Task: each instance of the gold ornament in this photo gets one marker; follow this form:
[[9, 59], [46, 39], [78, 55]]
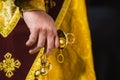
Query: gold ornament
[[60, 57], [64, 40], [44, 68], [9, 16], [8, 65]]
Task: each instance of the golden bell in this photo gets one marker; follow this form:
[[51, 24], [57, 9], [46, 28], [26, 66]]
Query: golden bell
[[45, 67], [44, 71], [37, 73], [62, 43], [62, 39]]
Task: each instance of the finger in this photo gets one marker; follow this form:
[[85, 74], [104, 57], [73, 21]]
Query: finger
[[56, 38], [41, 42], [50, 42], [32, 38], [56, 41], [35, 50]]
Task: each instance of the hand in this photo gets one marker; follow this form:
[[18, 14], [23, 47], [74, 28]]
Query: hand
[[42, 31]]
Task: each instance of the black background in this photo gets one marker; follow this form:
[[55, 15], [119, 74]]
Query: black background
[[104, 22]]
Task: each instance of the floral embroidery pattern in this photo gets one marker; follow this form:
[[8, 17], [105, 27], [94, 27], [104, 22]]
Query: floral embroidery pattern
[[8, 65]]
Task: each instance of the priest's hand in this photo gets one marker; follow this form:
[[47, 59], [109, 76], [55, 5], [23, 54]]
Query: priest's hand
[[42, 31]]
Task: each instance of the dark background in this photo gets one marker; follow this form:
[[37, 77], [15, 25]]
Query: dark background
[[104, 22]]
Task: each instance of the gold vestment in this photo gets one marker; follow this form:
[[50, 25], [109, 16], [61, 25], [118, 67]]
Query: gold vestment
[[72, 18]]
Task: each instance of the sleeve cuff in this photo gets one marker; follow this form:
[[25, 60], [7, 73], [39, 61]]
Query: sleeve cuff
[[29, 5]]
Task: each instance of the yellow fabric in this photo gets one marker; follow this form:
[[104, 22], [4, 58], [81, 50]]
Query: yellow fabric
[[78, 63]]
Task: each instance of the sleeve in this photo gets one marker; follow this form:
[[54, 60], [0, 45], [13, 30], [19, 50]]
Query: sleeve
[[28, 5]]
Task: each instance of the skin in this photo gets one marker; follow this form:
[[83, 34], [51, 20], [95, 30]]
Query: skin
[[42, 31]]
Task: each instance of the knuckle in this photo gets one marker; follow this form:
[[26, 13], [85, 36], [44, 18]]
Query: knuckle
[[43, 31], [33, 28], [49, 29], [50, 32]]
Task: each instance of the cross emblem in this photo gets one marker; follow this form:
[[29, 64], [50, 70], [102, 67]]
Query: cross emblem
[[8, 65]]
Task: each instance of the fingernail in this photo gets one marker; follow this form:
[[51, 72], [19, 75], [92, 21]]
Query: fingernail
[[26, 43], [30, 51]]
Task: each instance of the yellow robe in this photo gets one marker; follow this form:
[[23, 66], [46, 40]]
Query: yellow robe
[[72, 18]]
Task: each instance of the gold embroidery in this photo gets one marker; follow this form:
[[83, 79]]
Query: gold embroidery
[[8, 65], [6, 30], [9, 16], [64, 39], [60, 57]]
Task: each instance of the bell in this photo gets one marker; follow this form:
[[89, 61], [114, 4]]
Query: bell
[[62, 43], [37, 73], [45, 67], [44, 71]]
